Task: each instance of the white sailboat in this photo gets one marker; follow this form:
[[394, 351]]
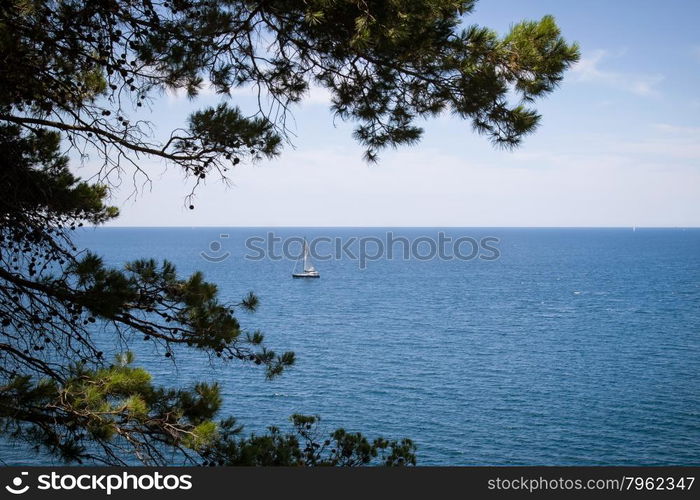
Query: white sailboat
[[309, 270]]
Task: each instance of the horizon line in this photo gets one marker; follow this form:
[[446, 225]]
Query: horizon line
[[383, 227]]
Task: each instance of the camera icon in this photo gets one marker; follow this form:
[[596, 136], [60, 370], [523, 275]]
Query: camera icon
[[16, 488], [215, 247]]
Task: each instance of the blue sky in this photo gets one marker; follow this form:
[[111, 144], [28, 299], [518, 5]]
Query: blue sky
[[619, 145]]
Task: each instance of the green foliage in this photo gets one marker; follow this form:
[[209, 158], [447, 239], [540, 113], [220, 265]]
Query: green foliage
[[75, 77], [305, 445], [37, 182], [386, 65], [114, 403], [226, 128], [202, 435], [119, 403]]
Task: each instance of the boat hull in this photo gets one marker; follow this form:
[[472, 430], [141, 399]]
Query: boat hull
[[303, 275]]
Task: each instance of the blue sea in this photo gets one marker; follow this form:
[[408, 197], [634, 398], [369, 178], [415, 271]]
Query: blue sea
[[563, 347]]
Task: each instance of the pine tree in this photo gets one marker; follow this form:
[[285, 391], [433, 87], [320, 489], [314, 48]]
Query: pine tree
[[78, 76]]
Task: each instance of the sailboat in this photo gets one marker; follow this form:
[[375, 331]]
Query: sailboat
[[309, 270]]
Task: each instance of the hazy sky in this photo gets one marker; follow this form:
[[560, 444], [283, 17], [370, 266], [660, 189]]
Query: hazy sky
[[619, 145]]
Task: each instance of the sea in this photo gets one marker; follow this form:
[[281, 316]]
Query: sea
[[485, 346]]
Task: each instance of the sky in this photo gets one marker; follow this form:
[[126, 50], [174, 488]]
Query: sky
[[619, 145]]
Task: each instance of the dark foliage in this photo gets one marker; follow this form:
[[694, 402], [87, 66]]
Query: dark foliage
[[77, 77]]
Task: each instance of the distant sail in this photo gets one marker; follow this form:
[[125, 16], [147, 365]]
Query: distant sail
[[309, 270]]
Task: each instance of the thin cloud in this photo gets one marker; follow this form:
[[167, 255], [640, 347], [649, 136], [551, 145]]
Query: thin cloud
[[317, 95], [589, 70], [678, 129]]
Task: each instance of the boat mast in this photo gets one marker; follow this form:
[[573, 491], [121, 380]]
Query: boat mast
[[306, 253]]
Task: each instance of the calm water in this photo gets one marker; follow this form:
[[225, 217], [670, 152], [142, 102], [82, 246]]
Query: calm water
[[576, 346]]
